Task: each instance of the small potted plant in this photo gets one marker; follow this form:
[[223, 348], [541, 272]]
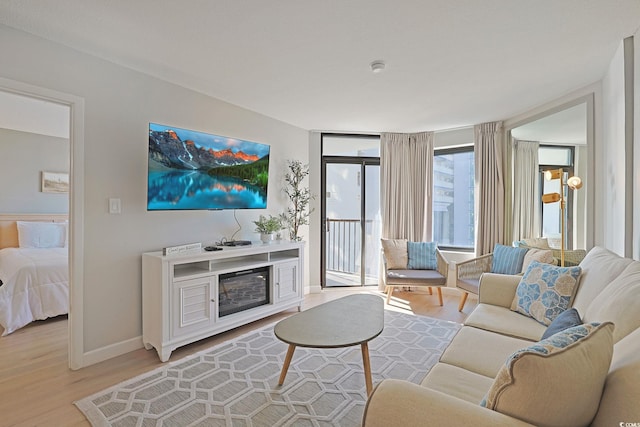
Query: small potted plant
[[267, 227]]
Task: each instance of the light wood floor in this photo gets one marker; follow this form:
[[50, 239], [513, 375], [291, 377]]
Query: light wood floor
[[38, 389]]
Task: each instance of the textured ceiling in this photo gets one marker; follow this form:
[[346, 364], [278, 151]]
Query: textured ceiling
[[450, 63]]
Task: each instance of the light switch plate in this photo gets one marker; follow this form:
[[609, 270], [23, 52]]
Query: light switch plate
[[115, 207]]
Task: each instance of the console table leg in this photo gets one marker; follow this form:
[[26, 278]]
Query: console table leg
[[287, 361], [164, 353], [367, 367]]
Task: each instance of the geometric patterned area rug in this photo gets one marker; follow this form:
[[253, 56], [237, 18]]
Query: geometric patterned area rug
[[235, 383]]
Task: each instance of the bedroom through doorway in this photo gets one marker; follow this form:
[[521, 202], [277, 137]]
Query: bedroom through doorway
[[36, 150]]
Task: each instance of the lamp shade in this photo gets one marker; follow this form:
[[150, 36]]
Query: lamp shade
[[553, 174], [550, 197], [574, 183]]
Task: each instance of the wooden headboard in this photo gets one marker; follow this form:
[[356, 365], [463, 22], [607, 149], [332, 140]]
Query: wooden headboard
[[9, 228]]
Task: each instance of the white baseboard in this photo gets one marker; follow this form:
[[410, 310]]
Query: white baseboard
[[312, 289], [104, 353], [111, 351]]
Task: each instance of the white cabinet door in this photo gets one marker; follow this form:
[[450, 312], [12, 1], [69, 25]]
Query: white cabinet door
[[193, 305], [286, 280]]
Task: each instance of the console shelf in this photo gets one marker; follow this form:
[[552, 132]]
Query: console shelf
[[180, 293]]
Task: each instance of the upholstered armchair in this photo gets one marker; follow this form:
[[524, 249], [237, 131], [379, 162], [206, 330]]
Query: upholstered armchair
[[401, 268]]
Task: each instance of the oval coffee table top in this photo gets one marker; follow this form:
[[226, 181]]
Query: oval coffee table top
[[344, 322]]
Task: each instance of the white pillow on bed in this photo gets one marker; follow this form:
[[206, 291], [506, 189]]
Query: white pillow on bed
[[41, 234]]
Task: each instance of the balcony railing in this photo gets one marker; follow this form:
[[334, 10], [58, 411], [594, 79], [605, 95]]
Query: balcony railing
[[343, 245]]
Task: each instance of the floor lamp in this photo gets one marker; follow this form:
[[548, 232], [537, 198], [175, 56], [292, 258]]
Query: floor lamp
[[574, 183]]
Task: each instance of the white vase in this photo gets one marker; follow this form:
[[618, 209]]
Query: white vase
[[266, 237]]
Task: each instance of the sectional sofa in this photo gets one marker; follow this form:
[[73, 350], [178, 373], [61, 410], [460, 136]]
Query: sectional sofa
[[498, 371]]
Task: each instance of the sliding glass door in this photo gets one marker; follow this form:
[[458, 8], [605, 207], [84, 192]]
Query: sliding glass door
[[351, 217]]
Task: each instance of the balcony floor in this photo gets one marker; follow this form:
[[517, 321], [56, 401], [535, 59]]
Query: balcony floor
[[339, 279]]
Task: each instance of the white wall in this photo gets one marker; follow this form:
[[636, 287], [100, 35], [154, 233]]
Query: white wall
[[636, 147], [119, 104], [315, 226], [23, 157], [453, 138], [612, 155]]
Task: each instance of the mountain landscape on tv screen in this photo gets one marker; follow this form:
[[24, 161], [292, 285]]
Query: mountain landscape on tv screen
[[166, 148], [194, 170]]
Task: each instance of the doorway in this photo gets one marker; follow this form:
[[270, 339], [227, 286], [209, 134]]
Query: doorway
[[75, 122], [351, 223]]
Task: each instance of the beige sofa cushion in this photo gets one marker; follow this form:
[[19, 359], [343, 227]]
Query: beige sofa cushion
[[619, 303], [481, 351], [566, 373], [415, 278], [404, 404], [457, 382], [619, 401], [599, 268], [395, 253], [504, 321]]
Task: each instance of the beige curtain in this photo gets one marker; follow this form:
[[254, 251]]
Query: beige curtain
[[526, 203], [490, 186], [406, 182]]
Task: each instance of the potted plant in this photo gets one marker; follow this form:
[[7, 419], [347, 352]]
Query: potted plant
[[298, 212], [267, 227]]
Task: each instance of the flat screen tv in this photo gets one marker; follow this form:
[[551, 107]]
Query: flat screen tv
[[191, 170]]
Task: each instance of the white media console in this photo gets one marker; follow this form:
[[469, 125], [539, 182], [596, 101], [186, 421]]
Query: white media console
[[189, 297]]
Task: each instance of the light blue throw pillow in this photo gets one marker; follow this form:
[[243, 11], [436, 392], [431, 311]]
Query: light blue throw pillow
[[545, 291], [507, 259], [422, 255], [567, 319]]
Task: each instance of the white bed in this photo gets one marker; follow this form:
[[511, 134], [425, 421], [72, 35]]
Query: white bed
[[35, 283]]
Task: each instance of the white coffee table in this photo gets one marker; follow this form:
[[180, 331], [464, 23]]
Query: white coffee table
[[345, 322]]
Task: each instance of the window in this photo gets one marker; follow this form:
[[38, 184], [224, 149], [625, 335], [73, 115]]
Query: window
[[351, 145], [453, 198]]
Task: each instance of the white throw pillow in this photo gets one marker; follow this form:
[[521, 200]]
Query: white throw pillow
[[538, 242], [395, 253], [540, 255], [33, 234]]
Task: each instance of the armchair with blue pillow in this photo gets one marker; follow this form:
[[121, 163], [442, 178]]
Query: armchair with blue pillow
[[413, 264], [503, 260]]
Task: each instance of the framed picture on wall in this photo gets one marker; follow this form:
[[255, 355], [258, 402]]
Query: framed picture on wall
[[55, 182]]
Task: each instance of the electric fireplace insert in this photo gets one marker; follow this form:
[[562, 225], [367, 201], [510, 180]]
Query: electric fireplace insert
[[243, 290]]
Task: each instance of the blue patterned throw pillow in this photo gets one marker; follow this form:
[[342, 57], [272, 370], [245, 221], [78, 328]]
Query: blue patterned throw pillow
[[507, 259], [567, 370], [422, 255], [545, 291]]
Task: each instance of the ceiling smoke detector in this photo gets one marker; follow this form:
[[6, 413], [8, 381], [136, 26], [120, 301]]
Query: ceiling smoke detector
[[378, 66]]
